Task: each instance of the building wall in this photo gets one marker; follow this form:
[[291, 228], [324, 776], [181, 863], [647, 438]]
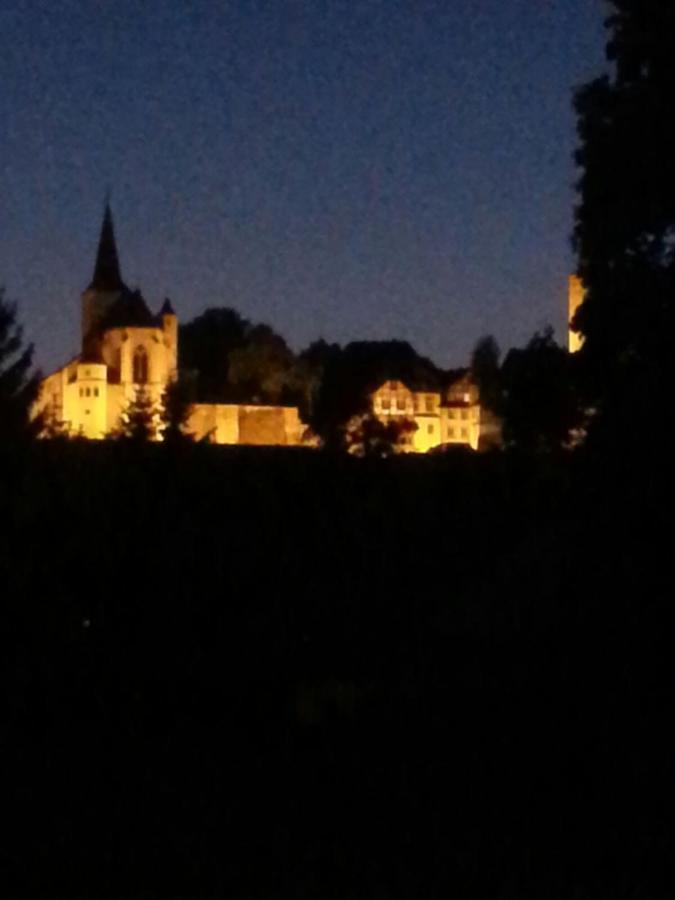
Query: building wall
[[85, 401], [574, 300], [453, 418], [224, 423]]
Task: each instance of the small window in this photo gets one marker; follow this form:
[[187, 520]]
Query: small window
[[81, 392], [451, 432], [87, 392], [464, 414], [386, 403], [430, 403], [451, 413], [95, 392], [430, 429], [465, 433], [140, 366]]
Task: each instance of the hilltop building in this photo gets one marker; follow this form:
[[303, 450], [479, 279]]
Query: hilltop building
[[125, 347], [447, 416]]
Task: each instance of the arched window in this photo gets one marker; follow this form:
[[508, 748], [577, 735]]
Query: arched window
[[140, 374]]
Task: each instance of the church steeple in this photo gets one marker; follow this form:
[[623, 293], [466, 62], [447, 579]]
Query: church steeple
[[107, 275]]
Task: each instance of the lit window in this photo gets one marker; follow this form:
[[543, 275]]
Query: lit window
[[140, 366], [430, 403], [451, 414]]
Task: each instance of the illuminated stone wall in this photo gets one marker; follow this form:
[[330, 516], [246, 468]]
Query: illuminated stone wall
[[224, 423], [575, 298]]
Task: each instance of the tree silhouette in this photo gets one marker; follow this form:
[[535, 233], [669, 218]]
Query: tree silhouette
[[175, 409], [19, 385], [368, 436], [139, 421], [625, 219], [485, 372], [350, 374], [539, 401]]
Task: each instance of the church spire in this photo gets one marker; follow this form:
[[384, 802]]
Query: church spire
[[107, 269]]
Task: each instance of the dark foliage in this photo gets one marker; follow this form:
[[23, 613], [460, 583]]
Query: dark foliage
[[19, 385], [368, 436], [485, 373], [235, 361], [291, 675], [350, 374], [539, 401], [625, 223], [175, 409]]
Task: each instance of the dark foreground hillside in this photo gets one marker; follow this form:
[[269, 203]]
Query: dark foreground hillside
[[275, 674]]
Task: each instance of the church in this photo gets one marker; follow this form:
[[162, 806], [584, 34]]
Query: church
[[126, 348]]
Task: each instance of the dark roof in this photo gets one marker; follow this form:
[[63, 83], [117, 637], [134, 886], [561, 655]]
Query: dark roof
[[129, 310], [107, 275], [167, 308]]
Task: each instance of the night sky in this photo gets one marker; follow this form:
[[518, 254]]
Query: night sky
[[337, 168]]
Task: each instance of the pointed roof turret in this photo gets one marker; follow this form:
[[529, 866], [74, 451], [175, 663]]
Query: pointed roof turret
[[107, 275]]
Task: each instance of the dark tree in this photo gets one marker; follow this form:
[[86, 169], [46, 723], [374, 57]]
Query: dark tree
[[175, 410], [205, 345], [261, 370], [485, 372], [367, 436], [539, 401], [236, 361], [19, 385], [139, 421], [625, 219], [351, 374]]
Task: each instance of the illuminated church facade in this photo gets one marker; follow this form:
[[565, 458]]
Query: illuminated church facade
[[127, 348]]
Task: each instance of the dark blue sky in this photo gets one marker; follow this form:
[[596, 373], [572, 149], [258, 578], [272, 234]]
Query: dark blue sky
[[337, 168]]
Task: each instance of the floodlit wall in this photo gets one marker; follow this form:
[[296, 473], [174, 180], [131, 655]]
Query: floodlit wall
[[224, 423], [85, 402], [450, 419], [575, 299], [461, 425], [119, 346]]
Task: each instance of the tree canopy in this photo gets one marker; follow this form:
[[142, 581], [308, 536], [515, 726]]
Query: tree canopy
[[19, 385], [625, 218]]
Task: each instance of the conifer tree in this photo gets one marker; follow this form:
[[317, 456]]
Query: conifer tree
[[139, 421], [19, 384]]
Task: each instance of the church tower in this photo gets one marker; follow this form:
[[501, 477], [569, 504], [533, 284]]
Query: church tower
[[106, 285]]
